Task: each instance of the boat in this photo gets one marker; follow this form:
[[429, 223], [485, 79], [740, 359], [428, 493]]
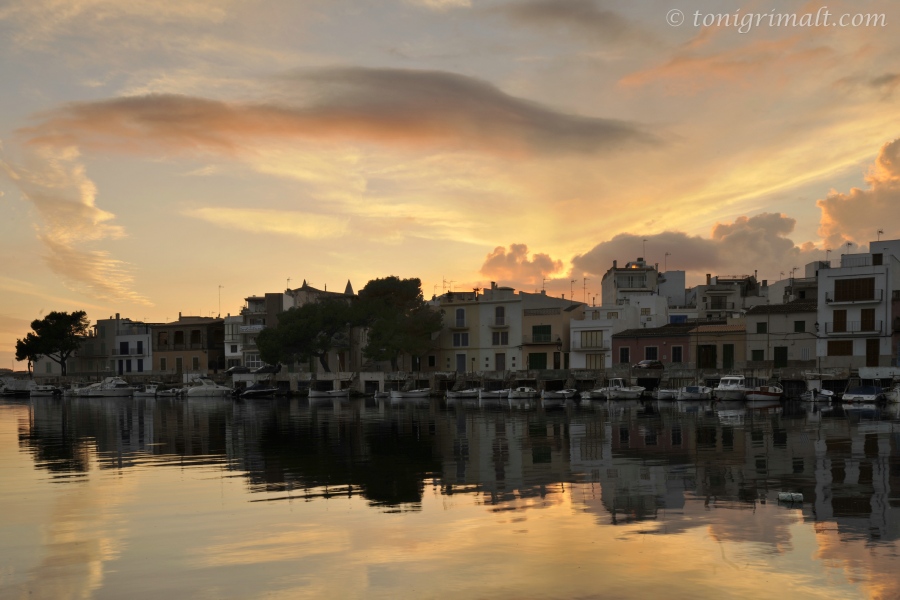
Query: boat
[[815, 395], [170, 393], [594, 394], [893, 395], [617, 390], [863, 393], [45, 390], [564, 394], [147, 390], [206, 387], [695, 392], [409, 394], [665, 394], [11, 386], [260, 389], [731, 387], [765, 392], [523, 392], [110, 387], [466, 393], [494, 394]]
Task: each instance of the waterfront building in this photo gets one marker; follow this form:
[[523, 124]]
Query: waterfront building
[[592, 333], [234, 353], [672, 344], [546, 325], [726, 297], [132, 350], [780, 336], [720, 347], [855, 303], [194, 345]]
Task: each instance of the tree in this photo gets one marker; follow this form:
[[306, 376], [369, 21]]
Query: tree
[[56, 336], [399, 320], [308, 331]]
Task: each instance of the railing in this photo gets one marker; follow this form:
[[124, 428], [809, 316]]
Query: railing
[[601, 346], [458, 324], [536, 312], [129, 352], [250, 328], [498, 322], [540, 338], [851, 327], [718, 305], [877, 295], [859, 260]]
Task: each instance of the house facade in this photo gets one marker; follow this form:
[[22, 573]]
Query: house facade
[[190, 345], [782, 335]]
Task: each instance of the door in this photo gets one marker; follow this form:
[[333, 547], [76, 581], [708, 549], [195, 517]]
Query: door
[[706, 357], [500, 361], [460, 363], [780, 354], [872, 346], [867, 319]]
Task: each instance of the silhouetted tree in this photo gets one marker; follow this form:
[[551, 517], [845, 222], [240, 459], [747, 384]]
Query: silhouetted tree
[[56, 336]]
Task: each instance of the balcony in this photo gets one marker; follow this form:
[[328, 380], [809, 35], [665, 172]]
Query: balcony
[[832, 298], [718, 306], [541, 338], [854, 328], [251, 328], [597, 346], [129, 352], [458, 324], [498, 322]]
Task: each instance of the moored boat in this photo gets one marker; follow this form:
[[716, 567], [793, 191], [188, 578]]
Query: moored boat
[[466, 393], [617, 390], [44, 391], [147, 390], [410, 394], [695, 392], [563, 394], [765, 392], [523, 392], [206, 387], [731, 387], [110, 387], [665, 394]]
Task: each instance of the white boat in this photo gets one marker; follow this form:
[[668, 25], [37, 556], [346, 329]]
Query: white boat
[[695, 392], [110, 387], [522, 392], [419, 393], [147, 390], [815, 395], [665, 394], [617, 390], [595, 394], [10, 386], [44, 391], [494, 394], [731, 387], [863, 393], [460, 394], [893, 395], [765, 392], [564, 394], [206, 387]]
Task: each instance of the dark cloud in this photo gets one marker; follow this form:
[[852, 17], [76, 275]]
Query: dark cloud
[[585, 18], [386, 106]]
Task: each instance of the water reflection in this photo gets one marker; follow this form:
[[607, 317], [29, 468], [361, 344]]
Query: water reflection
[[662, 468]]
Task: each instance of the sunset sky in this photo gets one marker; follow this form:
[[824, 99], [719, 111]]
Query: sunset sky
[[153, 152]]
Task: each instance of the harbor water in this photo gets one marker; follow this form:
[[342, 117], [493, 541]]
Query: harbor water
[[363, 498]]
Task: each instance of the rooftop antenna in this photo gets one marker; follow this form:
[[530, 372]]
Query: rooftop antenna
[[645, 249], [665, 261], [880, 231], [848, 247], [572, 289], [289, 283], [220, 298], [827, 250], [543, 282], [584, 290]]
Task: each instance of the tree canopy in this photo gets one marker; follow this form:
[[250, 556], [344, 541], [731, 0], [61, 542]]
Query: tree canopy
[[56, 336], [307, 331], [399, 320]]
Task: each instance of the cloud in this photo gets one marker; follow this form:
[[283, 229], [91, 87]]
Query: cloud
[[858, 214], [515, 266], [442, 4], [284, 222], [392, 107], [56, 184], [585, 18], [757, 243]]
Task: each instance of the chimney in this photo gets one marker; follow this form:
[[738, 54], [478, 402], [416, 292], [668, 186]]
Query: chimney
[[614, 264], [117, 316], [765, 282], [708, 279], [493, 285]]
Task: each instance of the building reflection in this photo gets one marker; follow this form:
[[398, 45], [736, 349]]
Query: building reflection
[[625, 462]]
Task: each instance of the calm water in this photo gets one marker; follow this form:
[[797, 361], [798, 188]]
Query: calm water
[[122, 498]]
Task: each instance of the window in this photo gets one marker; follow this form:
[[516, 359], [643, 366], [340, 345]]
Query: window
[[432, 360], [758, 355], [234, 348], [500, 338], [804, 353], [162, 338], [460, 340], [540, 333], [877, 259], [762, 327], [677, 354], [252, 361], [867, 319], [162, 364], [840, 321], [195, 336], [195, 363], [780, 356], [460, 317], [799, 326], [624, 355], [140, 346], [848, 290], [612, 315], [49, 367], [140, 365], [651, 353], [595, 361], [592, 339], [645, 312], [179, 364], [500, 316], [840, 348]]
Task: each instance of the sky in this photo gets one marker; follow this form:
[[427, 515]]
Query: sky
[[182, 155]]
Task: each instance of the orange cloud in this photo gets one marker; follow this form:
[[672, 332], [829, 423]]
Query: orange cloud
[[385, 106], [515, 266], [856, 215]]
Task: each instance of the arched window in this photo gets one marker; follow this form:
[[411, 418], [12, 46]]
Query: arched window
[[500, 315]]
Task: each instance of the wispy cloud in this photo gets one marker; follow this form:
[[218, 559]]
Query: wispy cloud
[[256, 220]]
